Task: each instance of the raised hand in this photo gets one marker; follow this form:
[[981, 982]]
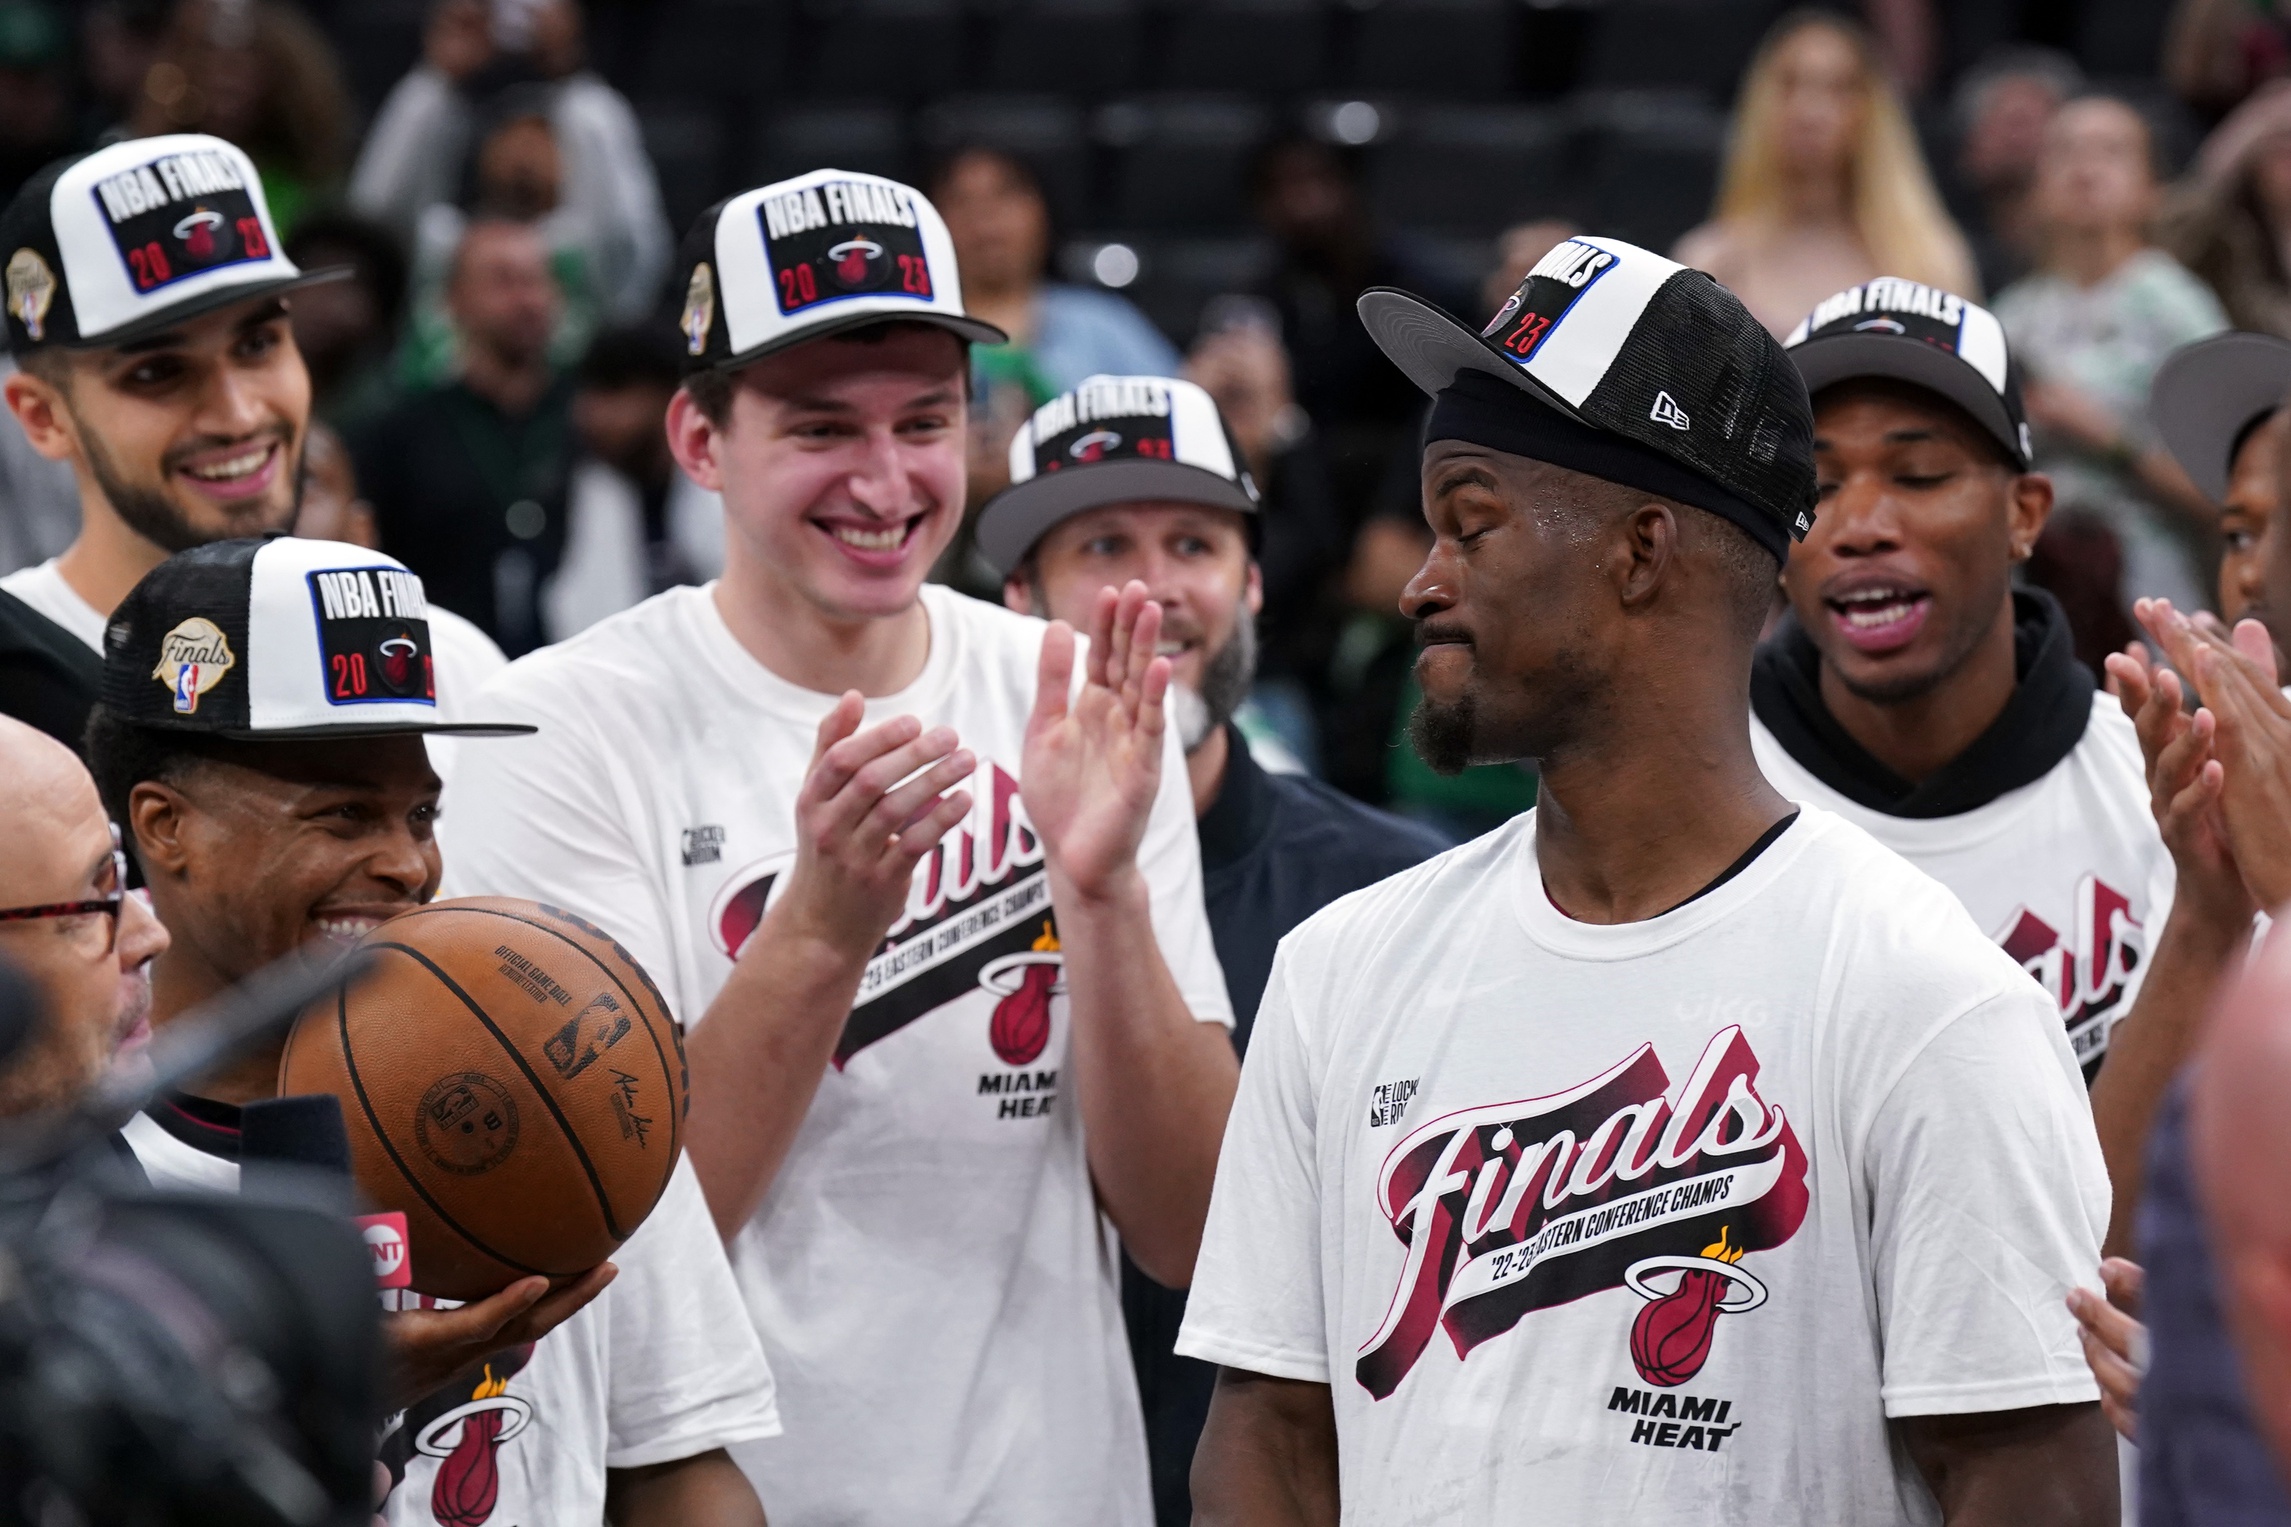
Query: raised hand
[[2185, 781], [1092, 763], [872, 805], [2235, 677]]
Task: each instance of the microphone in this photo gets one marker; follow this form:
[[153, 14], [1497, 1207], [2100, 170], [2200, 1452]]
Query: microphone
[[295, 1148]]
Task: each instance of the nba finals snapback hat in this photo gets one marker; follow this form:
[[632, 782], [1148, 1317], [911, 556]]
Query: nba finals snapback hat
[[1903, 331], [813, 256], [1647, 373], [2208, 396], [118, 244], [277, 639], [1113, 440]]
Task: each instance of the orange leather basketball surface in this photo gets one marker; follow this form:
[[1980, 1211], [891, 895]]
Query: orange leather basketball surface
[[511, 1082]]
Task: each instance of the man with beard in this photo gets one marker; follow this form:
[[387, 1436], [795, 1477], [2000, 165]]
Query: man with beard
[[281, 803], [1531, 1134], [147, 312], [1138, 477], [67, 924]]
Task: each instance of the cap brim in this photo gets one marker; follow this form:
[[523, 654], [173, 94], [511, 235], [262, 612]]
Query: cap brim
[[976, 330], [206, 302], [2207, 394], [1014, 519], [1431, 346], [348, 731], [1850, 357]]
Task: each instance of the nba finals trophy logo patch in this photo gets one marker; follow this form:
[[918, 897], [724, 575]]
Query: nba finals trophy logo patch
[[192, 660]]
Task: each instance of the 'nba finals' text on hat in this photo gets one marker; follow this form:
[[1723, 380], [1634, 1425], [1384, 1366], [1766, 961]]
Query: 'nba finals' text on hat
[[1113, 440], [119, 244], [2208, 396], [1905, 331], [278, 639], [813, 256], [1640, 349]]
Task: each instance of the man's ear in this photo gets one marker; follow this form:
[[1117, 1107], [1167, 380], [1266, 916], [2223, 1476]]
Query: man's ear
[[1649, 542], [2031, 507], [693, 440], [39, 407], [1253, 592], [158, 821], [1018, 595]]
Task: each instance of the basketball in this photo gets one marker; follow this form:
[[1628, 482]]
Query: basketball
[[511, 1082]]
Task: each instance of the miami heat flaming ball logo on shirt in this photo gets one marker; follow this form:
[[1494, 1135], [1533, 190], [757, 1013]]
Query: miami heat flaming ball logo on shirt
[[1622, 1181]]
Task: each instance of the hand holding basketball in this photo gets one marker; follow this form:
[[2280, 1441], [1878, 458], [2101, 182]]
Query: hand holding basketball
[[1093, 763], [873, 804], [428, 1347]]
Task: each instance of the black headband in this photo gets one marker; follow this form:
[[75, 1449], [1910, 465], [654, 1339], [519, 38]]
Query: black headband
[[1489, 411]]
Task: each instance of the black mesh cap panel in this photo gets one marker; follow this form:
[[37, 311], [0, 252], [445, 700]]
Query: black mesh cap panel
[[1704, 383]]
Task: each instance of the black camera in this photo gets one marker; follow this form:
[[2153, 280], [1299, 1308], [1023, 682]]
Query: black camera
[[170, 1360]]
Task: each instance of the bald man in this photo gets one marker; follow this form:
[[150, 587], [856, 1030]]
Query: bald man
[[2239, 1138], [67, 923]]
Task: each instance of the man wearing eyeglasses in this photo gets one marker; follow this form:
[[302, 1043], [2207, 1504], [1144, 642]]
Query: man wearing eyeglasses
[[66, 923]]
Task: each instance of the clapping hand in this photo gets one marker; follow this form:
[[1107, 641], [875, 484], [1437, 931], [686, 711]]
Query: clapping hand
[[2234, 676], [1093, 758], [2185, 781]]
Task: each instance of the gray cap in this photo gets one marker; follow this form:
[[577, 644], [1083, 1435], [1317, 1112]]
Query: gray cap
[[2207, 396]]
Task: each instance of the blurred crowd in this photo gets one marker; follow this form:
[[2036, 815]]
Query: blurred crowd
[[494, 371]]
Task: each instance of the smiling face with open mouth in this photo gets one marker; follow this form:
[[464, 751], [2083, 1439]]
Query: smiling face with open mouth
[[193, 434], [841, 465], [1908, 568]]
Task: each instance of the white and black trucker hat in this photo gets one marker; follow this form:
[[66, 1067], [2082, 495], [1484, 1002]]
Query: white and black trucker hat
[[804, 258], [1659, 376], [1113, 440], [1905, 331], [277, 639], [2209, 396], [111, 246]]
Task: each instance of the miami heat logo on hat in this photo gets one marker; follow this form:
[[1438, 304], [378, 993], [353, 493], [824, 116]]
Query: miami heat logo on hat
[[373, 636], [841, 239]]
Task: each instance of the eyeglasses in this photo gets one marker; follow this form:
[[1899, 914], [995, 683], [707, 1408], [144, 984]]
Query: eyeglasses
[[104, 904]]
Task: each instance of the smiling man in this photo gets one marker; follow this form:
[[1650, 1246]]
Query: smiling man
[[931, 906], [261, 734], [1669, 1154], [1916, 692], [147, 311]]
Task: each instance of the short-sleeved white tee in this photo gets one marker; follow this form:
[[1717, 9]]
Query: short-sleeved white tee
[[2067, 874], [930, 1274], [1656, 1222], [660, 1366]]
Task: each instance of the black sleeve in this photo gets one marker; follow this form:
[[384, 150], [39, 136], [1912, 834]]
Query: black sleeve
[[48, 679]]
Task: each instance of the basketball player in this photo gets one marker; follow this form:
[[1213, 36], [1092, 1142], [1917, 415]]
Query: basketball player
[[1916, 692], [277, 794], [1139, 478], [147, 311], [932, 906], [1671, 1153]]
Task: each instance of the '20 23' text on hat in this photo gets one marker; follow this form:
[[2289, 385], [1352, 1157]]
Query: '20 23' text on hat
[[121, 243], [805, 258]]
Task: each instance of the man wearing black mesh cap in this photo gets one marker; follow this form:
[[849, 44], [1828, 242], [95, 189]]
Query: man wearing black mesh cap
[[1671, 1154]]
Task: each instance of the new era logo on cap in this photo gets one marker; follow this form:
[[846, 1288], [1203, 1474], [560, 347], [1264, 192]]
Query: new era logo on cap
[[806, 257], [1906, 331], [1112, 440], [117, 243], [277, 638]]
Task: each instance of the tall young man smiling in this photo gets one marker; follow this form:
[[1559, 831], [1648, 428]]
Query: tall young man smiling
[[1914, 691], [932, 908], [1743, 1178], [146, 297]]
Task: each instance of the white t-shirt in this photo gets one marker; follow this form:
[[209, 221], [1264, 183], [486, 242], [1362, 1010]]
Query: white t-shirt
[[2068, 874], [44, 589], [660, 1366], [1656, 1222], [929, 1272]]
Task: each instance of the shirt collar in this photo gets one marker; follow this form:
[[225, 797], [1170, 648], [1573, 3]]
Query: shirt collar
[[1241, 816]]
